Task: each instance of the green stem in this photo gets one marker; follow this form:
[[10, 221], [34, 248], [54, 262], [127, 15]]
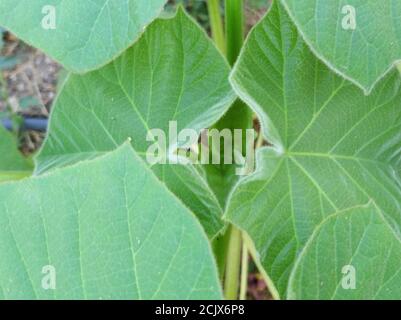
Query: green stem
[[244, 272], [227, 248], [233, 265], [234, 28], [239, 116], [220, 248], [220, 244], [216, 24]]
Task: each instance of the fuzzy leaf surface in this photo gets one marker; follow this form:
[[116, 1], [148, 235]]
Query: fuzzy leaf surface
[[357, 38], [109, 229], [333, 149], [81, 34], [173, 73]]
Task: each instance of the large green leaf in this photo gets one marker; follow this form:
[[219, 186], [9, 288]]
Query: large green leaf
[[190, 184], [333, 148], [12, 164], [362, 52], [109, 229], [87, 33], [173, 73], [371, 245]]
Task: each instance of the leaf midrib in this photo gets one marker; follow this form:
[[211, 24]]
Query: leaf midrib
[[294, 155], [333, 156], [318, 227]]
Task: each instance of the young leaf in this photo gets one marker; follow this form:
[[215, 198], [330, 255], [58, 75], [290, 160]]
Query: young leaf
[[81, 34], [13, 165], [173, 73], [359, 39], [102, 229], [323, 272], [333, 148]]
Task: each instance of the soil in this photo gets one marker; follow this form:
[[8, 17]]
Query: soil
[[28, 88]]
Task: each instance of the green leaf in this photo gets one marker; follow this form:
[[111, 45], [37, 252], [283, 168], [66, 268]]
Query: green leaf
[[13, 165], [362, 52], [87, 34], [333, 148], [190, 184], [109, 229], [173, 73], [372, 246]]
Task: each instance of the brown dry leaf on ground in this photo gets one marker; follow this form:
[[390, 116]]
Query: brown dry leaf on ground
[[34, 77]]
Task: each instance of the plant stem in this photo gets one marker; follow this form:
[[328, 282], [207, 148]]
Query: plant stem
[[238, 117], [220, 248], [244, 272], [216, 24], [227, 248], [233, 265], [234, 28], [220, 244]]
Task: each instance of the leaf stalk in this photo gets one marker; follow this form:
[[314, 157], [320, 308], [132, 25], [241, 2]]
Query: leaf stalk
[[233, 266], [216, 24]]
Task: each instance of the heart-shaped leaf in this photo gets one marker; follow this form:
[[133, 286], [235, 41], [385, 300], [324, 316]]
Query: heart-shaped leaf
[[13, 165], [173, 73], [357, 38], [368, 269], [333, 148], [81, 34], [102, 229]]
